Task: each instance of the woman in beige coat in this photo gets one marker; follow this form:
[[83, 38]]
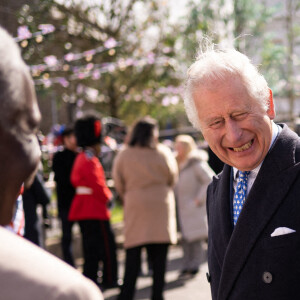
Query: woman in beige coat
[[194, 177], [144, 174]]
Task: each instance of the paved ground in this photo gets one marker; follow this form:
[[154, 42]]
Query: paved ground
[[175, 289], [195, 288]]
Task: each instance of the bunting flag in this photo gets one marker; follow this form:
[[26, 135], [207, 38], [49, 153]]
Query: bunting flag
[[25, 34]]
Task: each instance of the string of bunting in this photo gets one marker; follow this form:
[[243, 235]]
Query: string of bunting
[[171, 95], [95, 70], [52, 63], [25, 34]]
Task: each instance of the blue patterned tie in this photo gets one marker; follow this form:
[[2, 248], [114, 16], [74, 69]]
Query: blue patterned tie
[[240, 195]]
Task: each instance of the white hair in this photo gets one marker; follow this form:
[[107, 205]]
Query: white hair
[[215, 64]]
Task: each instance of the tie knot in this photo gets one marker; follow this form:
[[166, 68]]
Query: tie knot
[[244, 174]]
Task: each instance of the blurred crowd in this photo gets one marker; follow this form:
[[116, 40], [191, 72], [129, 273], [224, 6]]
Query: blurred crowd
[[89, 167]]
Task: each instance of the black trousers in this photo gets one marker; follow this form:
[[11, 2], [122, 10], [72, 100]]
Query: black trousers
[[66, 241], [158, 258], [98, 242]]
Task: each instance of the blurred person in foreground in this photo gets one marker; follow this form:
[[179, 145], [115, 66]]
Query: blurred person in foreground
[[190, 190], [26, 271], [144, 174], [62, 165], [90, 204], [253, 205]]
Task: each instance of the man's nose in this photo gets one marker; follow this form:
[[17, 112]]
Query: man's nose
[[233, 131]]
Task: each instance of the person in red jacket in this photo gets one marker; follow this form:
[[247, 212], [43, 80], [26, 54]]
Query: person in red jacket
[[90, 204]]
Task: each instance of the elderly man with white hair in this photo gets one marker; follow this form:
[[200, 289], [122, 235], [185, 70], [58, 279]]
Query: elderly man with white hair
[[253, 205]]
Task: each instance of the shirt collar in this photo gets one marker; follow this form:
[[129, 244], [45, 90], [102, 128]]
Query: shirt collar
[[275, 131]]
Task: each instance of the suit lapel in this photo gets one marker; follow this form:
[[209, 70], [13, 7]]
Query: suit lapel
[[269, 189], [222, 227]]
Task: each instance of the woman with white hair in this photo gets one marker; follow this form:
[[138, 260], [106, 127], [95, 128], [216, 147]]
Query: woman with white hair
[[194, 177]]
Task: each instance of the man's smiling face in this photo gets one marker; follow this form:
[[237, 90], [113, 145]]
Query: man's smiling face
[[236, 127]]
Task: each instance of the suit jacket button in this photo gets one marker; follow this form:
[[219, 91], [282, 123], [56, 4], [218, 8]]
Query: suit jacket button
[[267, 277], [208, 277]]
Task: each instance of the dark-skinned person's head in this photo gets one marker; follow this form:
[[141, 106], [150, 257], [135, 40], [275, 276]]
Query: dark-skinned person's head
[[19, 120], [88, 132], [144, 133]]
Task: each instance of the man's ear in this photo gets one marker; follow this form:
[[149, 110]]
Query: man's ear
[[271, 110]]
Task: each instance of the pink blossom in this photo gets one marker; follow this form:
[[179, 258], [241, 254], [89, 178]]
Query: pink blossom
[[96, 75], [79, 89], [50, 60], [46, 28], [81, 75], [167, 50], [24, 33], [111, 68], [47, 83], [63, 82], [69, 57], [151, 58], [110, 43], [80, 102], [166, 101], [89, 52], [129, 61], [89, 66], [174, 100]]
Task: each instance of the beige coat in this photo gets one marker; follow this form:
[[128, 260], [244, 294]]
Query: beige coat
[[144, 179], [27, 272], [194, 177]]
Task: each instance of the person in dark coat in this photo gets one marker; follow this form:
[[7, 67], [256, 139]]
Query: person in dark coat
[[34, 196], [253, 206], [62, 166]]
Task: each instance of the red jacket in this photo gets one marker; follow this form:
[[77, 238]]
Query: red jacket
[[92, 193]]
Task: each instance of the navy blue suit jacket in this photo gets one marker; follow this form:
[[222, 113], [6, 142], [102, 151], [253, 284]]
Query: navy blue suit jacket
[[245, 262]]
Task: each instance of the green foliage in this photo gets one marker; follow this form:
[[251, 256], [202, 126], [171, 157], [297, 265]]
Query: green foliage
[[250, 20], [200, 22], [273, 60], [117, 213]]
